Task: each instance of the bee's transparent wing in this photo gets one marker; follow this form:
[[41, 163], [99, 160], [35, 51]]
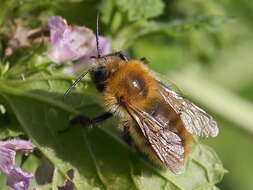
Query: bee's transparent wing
[[167, 145], [195, 120]]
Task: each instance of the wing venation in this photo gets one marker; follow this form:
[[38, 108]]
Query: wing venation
[[167, 145], [195, 120]]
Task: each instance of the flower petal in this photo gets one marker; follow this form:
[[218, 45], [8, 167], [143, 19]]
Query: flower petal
[[57, 27], [18, 179], [7, 160], [18, 145], [69, 42], [104, 45], [84, 61]]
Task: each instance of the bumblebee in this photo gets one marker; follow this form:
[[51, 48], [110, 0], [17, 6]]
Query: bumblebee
[[159, 121]]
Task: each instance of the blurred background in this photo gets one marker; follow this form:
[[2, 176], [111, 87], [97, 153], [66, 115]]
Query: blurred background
[[205, 48]]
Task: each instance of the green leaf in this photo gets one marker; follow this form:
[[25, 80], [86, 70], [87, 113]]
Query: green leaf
[[129, 34], [9, 126], [141, 9], [106, 7], [58, 179], [3, 183], [164, 58], [100, 159], [43, 187], [30, 165]]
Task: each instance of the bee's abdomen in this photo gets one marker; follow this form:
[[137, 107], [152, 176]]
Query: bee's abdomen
[[165, 115]]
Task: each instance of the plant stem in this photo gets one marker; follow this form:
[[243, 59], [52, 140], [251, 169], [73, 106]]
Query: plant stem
[[217, 99]]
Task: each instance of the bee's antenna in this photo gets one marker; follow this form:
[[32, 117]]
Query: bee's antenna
[[97, 40], [86, 72], [74, 84]]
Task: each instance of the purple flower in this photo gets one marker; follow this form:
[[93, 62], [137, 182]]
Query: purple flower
[[16, 178], [70, 43], [19, 180]]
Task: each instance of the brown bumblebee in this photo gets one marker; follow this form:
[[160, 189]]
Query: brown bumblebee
[[159, 121]]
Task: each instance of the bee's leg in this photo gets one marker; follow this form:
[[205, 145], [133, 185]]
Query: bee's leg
[[119, 54], [86, 121], [144, 60], [126, 136]]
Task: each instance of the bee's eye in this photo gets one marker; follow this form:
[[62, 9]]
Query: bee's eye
[[100, 75]]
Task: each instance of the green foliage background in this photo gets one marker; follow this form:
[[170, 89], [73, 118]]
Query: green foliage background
[[204, 47]]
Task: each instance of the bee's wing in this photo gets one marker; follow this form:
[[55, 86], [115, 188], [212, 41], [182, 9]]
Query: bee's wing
[[195, 120], [167, 145]]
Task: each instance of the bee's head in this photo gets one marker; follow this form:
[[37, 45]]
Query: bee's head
[[110, 61], [102, 63]]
